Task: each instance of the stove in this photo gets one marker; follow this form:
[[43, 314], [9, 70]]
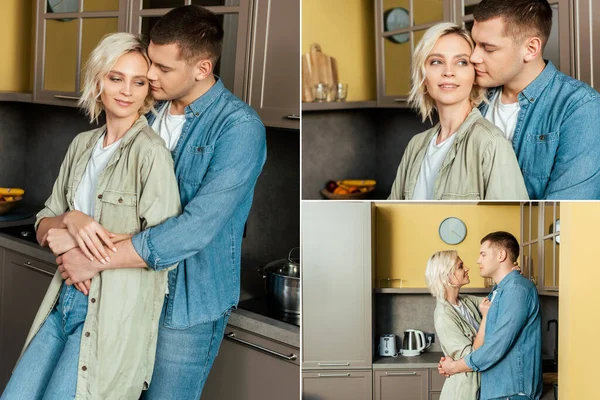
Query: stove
[[260, 305], [24, 232]]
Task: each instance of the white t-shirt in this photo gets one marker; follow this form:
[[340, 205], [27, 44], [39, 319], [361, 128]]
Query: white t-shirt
[[168, 126], [85, 196], [466, 314], [430, 169], [504, 116]]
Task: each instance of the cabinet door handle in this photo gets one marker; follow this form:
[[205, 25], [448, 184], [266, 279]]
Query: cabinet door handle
[[28, 265], [334, 375], [400, 373], [62, 97], [232, 336], [400, 100], [293, 116], [334, 364]]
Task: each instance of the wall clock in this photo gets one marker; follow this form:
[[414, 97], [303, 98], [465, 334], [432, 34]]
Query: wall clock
[[453, 230], [396, 18]]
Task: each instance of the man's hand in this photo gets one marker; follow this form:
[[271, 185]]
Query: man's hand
[[89, 235], [59, 241], [75, 267], [447, 364], [84, 287], [440, 369]]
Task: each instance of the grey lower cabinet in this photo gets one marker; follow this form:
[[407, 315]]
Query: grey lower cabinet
[[252, 367], [436, 382], [401, 384], [275, 63], [337, 285], [337, 385], [434, 396], [23, 284]]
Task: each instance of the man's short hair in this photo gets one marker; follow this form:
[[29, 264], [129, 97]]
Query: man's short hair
[[522, 17], [196, 31], [504, 241]]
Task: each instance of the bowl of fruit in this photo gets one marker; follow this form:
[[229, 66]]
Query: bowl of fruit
[[348, 189], [10, 198]]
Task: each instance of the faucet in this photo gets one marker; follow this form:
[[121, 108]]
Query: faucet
[[550, 322]]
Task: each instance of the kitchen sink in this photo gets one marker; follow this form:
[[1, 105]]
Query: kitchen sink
[[24, 232]]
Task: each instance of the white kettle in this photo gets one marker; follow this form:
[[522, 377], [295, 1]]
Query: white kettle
[[413, 343]]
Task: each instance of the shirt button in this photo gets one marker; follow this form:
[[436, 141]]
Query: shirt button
[[542, 137], [120, 200], [87, 334], [93, 300], [84, 368], [99, 196], [196, 114], [532, 99]]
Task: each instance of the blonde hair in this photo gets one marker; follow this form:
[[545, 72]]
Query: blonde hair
[[440, 266], [419, 99], [101, 61]]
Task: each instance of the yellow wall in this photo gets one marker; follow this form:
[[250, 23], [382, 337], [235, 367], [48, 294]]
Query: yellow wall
[[407, 235], [16, 45], [578, 306], [345, 29]]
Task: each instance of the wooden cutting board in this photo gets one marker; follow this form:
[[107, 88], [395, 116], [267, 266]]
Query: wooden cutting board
[[317, 67]]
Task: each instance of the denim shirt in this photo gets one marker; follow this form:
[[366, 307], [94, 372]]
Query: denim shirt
[[557, 137], [510, 360], [218, 158]]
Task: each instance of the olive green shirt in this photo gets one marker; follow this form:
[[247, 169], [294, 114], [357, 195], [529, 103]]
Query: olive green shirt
[[456, 338], [136, 190], [480, 165]]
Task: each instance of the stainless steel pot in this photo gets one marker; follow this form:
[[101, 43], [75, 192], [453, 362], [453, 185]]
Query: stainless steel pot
[[282, 282]]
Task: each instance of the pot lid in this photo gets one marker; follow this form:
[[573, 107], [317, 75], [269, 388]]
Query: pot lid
[[289, 267]]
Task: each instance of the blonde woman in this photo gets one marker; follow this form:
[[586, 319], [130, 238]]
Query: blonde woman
[[463, 157], [102, 346], [459, 319]]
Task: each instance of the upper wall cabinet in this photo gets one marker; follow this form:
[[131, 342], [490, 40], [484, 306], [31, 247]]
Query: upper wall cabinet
[[68, 30], [275, 66], [400, 25], [587, 15], [234, 16]]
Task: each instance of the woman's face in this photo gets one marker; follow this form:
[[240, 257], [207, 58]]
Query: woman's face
[[461, 275], [449, 75], [126, 86]]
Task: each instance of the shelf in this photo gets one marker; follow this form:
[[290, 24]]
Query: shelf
[[426, 291], [337, 105], [16, 96]]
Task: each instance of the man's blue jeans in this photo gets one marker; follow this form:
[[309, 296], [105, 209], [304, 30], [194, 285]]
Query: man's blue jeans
[[48, 368], [184, 358]]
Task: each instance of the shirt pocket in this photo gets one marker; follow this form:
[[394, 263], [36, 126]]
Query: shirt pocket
[[195, 163], [119, 212], [540, 154]]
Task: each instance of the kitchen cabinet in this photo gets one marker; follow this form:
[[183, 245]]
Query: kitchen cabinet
[[252, 367], [65, 38], [337, 285], [275, 66], [23, 284], [395, 47], [401, 384], [436, 383], [338, 385], [234, 16], [587, 41]]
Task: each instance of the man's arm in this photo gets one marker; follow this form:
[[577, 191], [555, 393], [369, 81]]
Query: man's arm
[[576, 170]]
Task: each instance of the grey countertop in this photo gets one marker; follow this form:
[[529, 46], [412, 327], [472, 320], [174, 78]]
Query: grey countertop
[[425, 360]]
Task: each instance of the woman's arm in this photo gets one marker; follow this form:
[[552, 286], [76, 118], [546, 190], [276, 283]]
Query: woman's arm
[[478, 342]]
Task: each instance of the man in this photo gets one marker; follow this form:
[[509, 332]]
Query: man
[[510, 358], [551, 119], [219, 148]]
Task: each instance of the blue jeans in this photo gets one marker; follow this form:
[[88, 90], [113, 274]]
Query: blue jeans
[[48, 368], [184, 358]]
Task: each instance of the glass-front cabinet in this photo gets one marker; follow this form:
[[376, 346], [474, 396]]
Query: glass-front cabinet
[[68, 30], [400, 25], [540, 244], [234, 16]]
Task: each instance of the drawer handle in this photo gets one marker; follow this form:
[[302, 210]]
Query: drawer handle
[[62, 97], [333, 364], [334, 375], [232, 336], [28, 265], [293, 116], [401, 373], [400, 100]]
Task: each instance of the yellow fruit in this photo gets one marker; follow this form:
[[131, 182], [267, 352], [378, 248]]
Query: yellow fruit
[[357, 182], [11, 192]]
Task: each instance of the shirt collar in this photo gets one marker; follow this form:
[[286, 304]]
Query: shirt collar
[[507, 279], [137, 126], [198, 106], [534, 90]]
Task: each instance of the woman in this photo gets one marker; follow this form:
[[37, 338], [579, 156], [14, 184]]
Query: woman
[[102, 346], [463, 157], [459, 323]]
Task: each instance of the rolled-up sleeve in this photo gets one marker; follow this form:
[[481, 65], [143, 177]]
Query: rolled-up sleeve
[[515, 302], [239, 156]]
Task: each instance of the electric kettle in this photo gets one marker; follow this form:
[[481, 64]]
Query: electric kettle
[[413, 343]]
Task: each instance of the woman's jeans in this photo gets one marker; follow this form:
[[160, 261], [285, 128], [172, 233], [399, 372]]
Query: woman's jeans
[[48, 368]]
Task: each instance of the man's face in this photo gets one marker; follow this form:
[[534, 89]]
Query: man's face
[[488, 260], [171, 78], [497, 58]]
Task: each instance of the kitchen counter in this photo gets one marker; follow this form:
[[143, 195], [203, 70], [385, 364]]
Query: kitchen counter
[[425, 360]]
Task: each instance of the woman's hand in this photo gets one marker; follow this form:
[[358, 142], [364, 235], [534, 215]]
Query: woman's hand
[[484, 306], [84, 287], [89, 235], [59, 241]]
